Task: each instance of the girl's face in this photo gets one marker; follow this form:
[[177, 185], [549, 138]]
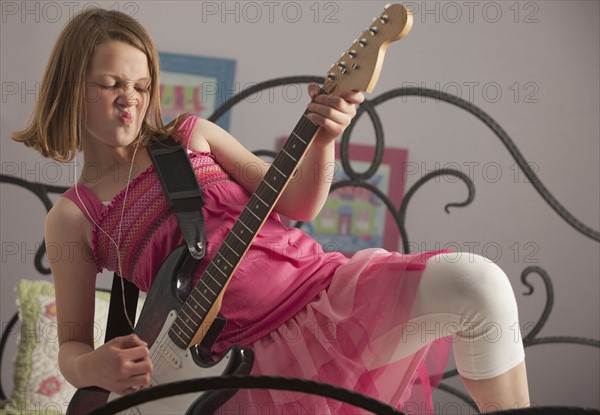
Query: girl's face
[[117, 94]]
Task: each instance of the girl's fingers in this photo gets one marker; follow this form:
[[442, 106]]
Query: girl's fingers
[[313, 90], [332, 112], [329, 117], [138, 353], [129, 341], [353, 97]]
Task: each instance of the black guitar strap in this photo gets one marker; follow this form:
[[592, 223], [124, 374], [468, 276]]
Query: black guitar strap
[[184, 195], [182, 190]]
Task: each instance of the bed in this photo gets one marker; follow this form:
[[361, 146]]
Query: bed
[[39, 387]]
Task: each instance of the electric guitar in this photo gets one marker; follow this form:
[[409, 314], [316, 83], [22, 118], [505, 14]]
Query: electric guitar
[[174, 327]]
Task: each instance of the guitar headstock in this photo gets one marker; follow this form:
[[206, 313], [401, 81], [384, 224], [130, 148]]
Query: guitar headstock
[[359, 67]]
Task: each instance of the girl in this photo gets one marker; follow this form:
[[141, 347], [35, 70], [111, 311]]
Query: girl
[[379, 323]]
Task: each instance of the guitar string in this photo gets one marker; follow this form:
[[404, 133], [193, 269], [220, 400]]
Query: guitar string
[[158, 359]]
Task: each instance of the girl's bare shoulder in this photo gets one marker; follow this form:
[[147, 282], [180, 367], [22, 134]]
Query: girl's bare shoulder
[[65, 222]]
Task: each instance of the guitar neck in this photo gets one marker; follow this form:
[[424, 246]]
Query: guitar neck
[[216, 275], [357, 70]]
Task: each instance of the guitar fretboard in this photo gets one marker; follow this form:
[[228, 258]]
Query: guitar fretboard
[[241, 235]]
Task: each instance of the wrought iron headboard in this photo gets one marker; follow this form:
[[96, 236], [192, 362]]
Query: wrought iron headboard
[[399, 215], [360, 179]]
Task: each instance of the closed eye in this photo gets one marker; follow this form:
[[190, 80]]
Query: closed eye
[[140, 89]]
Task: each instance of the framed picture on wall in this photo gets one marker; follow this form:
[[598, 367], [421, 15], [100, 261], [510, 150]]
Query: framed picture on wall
[[354, 218], [195, 84]]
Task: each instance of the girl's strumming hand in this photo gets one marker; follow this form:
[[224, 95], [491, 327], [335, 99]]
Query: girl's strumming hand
[[122, 365]]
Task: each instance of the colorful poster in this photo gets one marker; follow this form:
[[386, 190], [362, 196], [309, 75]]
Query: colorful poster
[[195, 84], [354, 217]]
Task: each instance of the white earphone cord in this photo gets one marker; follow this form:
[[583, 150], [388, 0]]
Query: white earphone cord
[[118, 242]]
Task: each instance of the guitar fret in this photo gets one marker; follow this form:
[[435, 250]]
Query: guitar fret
[[225, 259], [288, 154], [200, 305], [299, 138], [240, 233], [217, 282], [221, 271], [192, 308], [213, 290], [231, 249], [295, 148], [240, 239], [253, 214], [189, 307], [259, 198], [272, 188], [176, 323], [238, 247], [208, 288], [224, 253], [284, 165], [309, 120], [250, 221], [280, 172], [211, 276], [184, 341], [184, 322], [204, 297], [266, 194]]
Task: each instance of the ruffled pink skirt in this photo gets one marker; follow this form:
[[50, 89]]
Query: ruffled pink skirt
[[349, 336]]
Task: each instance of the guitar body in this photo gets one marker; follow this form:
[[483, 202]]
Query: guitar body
[[172, 363]]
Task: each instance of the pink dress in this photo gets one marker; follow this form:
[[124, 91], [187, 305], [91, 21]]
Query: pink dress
[[305, 313]]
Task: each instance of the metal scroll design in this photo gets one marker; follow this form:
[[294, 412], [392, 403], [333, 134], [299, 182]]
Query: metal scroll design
[[531, 338], [359, 179], [42, 191]]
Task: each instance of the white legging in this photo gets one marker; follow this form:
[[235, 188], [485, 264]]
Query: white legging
[[469, 298]]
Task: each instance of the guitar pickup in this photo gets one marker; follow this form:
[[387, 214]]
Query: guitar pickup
[[169, 355]]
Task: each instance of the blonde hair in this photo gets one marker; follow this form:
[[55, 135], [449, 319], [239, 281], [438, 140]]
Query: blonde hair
[[55, 128]]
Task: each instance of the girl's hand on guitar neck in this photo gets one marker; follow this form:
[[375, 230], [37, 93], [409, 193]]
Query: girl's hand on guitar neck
[[332, 113], [122, 365], [307, 191]]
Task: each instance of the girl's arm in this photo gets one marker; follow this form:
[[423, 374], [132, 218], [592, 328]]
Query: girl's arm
[[308, 190], [306, 193], [116, 366]]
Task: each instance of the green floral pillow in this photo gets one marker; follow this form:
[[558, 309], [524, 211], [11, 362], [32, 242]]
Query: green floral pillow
[[38, 384]]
